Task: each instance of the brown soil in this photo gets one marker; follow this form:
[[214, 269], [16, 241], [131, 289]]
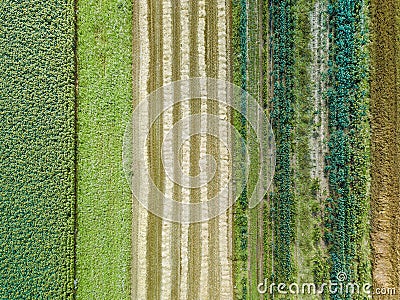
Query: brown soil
[[385, 187]]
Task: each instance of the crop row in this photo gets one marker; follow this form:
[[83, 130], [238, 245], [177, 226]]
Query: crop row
[[240, 218], [347, 159], [282, 213], [37, 149]]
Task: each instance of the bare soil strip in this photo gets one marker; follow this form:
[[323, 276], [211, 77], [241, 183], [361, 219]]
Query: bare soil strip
[[166, 266], [185, 54], [385, 100], [140, 75], [224, 238], [185, 228], [318, 148]]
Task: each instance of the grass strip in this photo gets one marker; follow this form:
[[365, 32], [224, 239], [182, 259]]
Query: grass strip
[[104, 109]]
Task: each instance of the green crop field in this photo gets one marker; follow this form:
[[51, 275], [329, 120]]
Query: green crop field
[[104, 107], [37, 149]]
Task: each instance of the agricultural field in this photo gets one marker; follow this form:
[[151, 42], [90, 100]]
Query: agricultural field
[[385, 143], [104, 105], [37, 150], [112, 150]]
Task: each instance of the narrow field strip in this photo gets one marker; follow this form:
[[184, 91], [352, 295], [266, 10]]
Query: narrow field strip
[[255, 89], [319, 45], [185, 73], [139, 227], [224, 237], [203, 243], [104, 107], [385, 189], [136, 61], [239, 219], [176, 230], [348, 162], [282, 18], [308, 223], [155, 80], [37, 149], [194, 233], [166, 243], [212, 64]]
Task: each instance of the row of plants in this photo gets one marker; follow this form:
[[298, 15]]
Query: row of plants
[[37, 149], [283, 209], [255, 73], [346, 209], [240, 209], [360, 149]]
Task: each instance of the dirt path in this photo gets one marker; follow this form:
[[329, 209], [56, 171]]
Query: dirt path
[[317, 142], [385, 187]]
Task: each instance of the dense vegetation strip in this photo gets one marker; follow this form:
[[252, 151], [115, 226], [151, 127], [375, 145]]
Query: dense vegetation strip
[[254, 88], [104, 108], [266, 82], [240, 218], [283, 209], [360, 149], [385, 147], [347, 159], [37, 149]]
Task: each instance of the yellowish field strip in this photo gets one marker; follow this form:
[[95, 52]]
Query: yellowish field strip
[[185, 37], [166, 268], [225, 288], [319, 46], [385, 185], [203, 241], [139, 241], [179, 39]]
